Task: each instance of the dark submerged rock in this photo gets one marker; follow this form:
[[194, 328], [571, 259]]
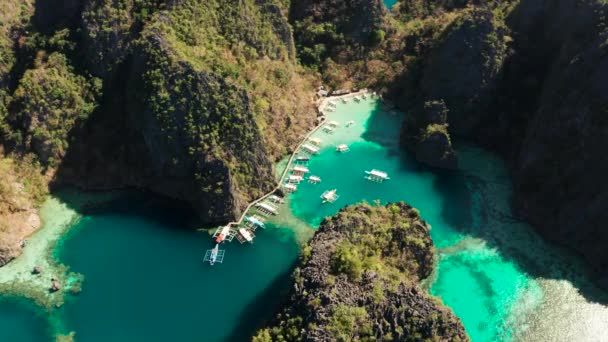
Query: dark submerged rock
[[55, 286]]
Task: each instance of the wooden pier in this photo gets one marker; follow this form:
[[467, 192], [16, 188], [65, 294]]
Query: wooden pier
[[280, 183]]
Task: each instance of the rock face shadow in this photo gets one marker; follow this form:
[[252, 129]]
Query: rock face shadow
[[481, 207], [250, 319]]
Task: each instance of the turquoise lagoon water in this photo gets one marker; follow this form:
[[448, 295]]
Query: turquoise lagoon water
[[144, 279], [390, 3], [20, 321]]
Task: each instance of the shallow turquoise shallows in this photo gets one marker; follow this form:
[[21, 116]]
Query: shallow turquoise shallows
[[145, 280]]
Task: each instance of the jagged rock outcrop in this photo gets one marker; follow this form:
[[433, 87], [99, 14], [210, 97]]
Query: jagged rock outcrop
[[335, 30], [49, 101], [109, 27], [464, 69], [199, 132], [356, 20], [189, 95], [357, 280], [530, 82], [425, 133], [560, 168]]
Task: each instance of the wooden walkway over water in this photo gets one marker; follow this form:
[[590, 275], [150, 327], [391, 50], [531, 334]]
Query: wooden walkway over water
[[321, 105]]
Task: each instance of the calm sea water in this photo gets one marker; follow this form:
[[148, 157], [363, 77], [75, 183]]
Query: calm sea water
[[20, 321], [390, 3], [144, 279]]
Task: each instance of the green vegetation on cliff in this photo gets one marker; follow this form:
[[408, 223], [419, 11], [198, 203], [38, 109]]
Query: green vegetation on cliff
[[199, 97], [357, 280], [251, 47], [49, 101]]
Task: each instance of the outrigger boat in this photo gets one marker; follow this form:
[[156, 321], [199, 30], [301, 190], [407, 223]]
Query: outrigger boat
[[376, 176], [256, 222], [302, 159], [276, 199], [223, 234], [290, 187], [314, 179], [342, 148], [315, 141], [246, 234], [214, 255], [330, 196]]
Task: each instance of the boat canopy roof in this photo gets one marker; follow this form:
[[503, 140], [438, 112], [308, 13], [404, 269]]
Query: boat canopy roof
[[246, 234], [254, 221], [310, 148], [378, 173], [299, 168], [267, 207]]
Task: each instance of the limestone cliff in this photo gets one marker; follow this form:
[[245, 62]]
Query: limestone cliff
[[528, 79], [463, 70], [426, 135], [358, 281], [199, 97], [335, 29]]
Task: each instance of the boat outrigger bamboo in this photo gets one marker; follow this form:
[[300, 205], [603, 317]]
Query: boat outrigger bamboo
[[315, 141], [295, 179], [300, 170], [223, 234], [266, 208], [342, 148], [290, 187], [302, 160], [314, 179], [214, 255], [329, 129], [330, 196], [245, 235], [254, 222], [309, 149], [276, 199], [376, 176]]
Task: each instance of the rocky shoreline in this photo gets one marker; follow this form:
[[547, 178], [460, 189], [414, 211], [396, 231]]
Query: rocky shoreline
[[358, 278]]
